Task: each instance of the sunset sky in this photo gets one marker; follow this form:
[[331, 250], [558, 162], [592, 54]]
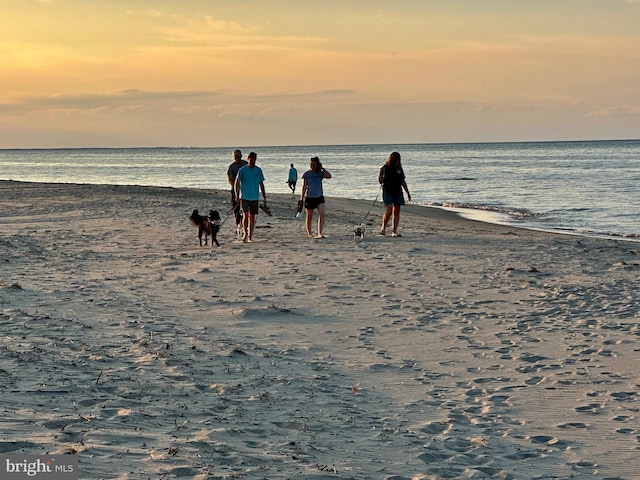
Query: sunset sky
[[119, 73]]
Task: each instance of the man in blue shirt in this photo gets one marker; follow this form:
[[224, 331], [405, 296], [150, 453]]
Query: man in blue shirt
[[292, 179], [249, 183]]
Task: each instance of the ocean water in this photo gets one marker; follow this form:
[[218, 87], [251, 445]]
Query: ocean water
[[584, 188]]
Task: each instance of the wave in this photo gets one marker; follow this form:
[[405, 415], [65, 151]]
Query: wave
[[517, 213], [524, 218]]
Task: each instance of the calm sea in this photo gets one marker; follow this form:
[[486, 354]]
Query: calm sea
[[586, 188]]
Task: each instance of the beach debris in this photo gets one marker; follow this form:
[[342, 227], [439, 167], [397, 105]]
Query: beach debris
[[327, 468], [177, 427]]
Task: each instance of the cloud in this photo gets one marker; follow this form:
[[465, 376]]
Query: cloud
[[129, 96], [114, 99], [616, 111], [316, 93]]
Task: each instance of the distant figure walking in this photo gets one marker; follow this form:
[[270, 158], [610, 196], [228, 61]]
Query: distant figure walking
[[313, 195], [293, 179], [249, 183], [232, 173], [392, 179]]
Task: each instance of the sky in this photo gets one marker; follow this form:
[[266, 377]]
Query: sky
[[208, 73]]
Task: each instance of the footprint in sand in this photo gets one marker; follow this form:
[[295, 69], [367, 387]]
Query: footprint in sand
[[625, 431], [435, 428], [534, 380], [622, 418], [572, 425], [546, 439], [502, 400], [624, 396], [593, 408]]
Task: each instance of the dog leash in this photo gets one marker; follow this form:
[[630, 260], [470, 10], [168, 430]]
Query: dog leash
[[229, 213], [372, 205]]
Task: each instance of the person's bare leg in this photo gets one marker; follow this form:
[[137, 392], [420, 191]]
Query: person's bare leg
[[245, 225], [308, 221], [396, 219], [321, 211], [385, 218], [252, 226]]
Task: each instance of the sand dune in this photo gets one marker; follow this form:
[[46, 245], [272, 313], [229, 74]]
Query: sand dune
[[460, 350]]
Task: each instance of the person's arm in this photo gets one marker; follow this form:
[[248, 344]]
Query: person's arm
[[325, 173], [264, 193], [381, 176], [406, 189], [230, 178], [236, 188], [303, 193]]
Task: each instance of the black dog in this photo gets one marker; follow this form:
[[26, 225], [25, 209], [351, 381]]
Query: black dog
[[207, 226]]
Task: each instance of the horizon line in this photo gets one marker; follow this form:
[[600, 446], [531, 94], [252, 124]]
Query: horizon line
[[166, 147]]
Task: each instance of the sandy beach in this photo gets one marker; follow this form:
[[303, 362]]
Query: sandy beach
[[459, 350]]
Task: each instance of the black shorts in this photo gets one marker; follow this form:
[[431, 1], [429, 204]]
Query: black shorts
[[249, 206], [313, 202]]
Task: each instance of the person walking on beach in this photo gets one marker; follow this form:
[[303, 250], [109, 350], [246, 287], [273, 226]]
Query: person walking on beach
[[313, 195], [232, 173], [249, 183], [293, 179], [392, 179]]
